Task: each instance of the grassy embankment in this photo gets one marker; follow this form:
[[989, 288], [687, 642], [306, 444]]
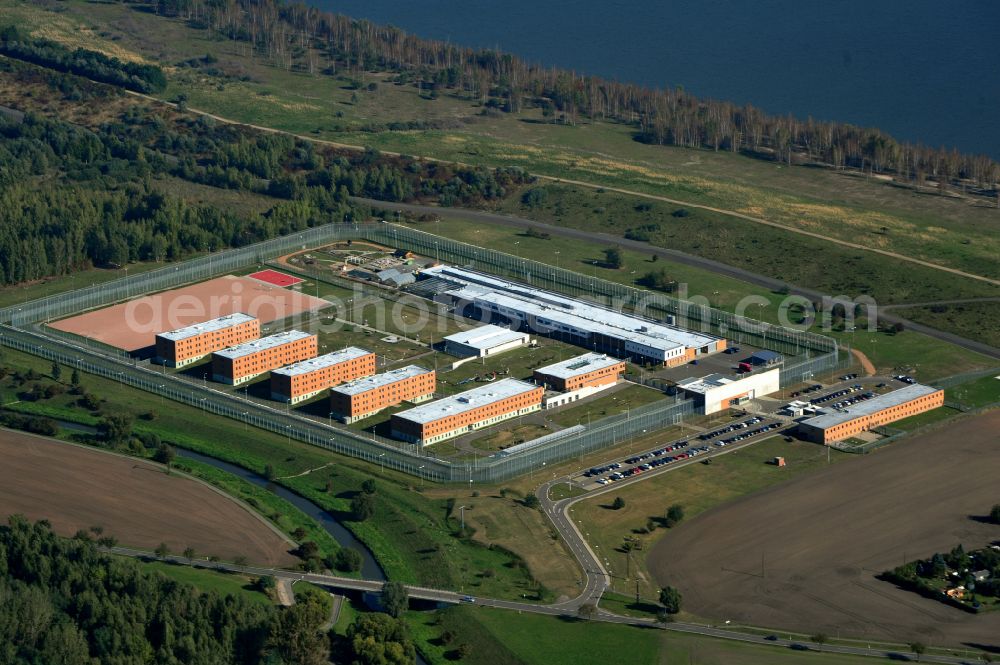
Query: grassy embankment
[[209, 581], [412, 534], [873, 213]]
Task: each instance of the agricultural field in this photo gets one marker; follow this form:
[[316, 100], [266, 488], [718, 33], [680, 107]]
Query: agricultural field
[[979, 321], [811, 547], [137, 503]]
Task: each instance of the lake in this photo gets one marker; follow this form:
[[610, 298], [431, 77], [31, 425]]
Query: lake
[[922, 70]]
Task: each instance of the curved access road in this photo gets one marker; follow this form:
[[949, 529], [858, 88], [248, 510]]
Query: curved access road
[[674, 255]]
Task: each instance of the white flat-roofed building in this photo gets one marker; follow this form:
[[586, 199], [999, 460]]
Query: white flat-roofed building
[[306, 378], [583, 323], [243, 362], [717, 392], [189, 344], [468, 411], [483, 341], [365, 397]]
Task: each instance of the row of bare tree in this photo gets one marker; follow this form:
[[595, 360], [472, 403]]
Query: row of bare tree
[[286, 32]]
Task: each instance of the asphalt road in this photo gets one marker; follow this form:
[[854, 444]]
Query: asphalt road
[[673, 255]]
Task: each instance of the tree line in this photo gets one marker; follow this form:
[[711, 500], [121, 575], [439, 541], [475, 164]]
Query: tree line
[[292, 34], [65, 601], [73, 197], [84, 62]]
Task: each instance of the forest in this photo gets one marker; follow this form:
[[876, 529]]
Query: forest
[[63, 601], [72, 197], [97, 66], [291, 35]]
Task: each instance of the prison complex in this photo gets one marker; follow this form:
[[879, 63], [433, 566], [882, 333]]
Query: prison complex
[[306, 378], [593, 327], [586, 371], [242, 362], [184, 346], [465, 412], [365, 397], [838, 424]]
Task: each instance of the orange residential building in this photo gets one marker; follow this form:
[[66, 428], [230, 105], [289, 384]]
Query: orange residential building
[[365, 397], [184, 346], [465, 412], [839, 424], [591, 370], [294, 383], [242, 362]]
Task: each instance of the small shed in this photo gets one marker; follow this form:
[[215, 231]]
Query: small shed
[[765, 358], [779, 461]]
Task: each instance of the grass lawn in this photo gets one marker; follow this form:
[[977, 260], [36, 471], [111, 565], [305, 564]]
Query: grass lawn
[[922, 419], [979, 321], [697, 487], [505, 637], [627, 398], [208, 581], [507, 435], [980, 392]]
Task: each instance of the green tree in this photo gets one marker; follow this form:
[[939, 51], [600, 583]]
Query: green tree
[[395, 598], [670, 598], [618, 503], [379, 639], [613, 258], [675, 514], [362, 507], [56, 371], [368, 486], [531, 501], [115, 428], [165, 454], [587, 611], [295, 637], [161, 550], [74, 378], [918, 648], [348, 560], [820, 639], [189, 553]]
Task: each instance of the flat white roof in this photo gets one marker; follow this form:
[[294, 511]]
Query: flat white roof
[[558, 308], [832, 417], [212, 325], [321, 362], [486, 337], [588, 362], [705, 383], [367, 383], [268, 342], [467, 401]]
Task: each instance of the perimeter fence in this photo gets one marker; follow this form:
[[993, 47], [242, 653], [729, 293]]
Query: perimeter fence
[[818, 353]]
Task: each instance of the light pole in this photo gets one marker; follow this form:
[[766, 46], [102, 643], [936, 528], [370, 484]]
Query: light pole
[[461, 509], [420, 475], [381, 463]]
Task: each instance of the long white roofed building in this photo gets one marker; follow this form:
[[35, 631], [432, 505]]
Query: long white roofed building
[[594, 327]]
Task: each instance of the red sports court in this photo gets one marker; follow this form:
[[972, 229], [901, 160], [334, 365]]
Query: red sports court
[[276, 278]]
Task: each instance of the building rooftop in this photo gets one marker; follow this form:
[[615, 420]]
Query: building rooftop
[[556, 309], [485, 337], [322, 362], [588, 362], [832, 417], [467, 401], [268, 342], [704, 384], [766, 356], [212, 325], [367, 383]]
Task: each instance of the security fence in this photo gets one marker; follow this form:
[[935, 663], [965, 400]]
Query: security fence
[[819, 352]]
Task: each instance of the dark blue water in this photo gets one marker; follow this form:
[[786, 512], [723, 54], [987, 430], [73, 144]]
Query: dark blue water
[[922, 70]]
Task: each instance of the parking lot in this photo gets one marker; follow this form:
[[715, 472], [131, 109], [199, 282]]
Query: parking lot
[[742, 431], [725, 362]]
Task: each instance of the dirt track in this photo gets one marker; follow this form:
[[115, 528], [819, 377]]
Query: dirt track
[[136, 502], [824, 537]]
